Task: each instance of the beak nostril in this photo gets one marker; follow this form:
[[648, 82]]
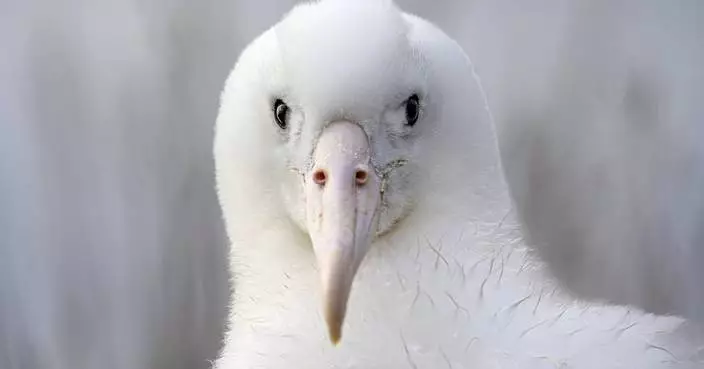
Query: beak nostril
[[319, 177], [361, 176]]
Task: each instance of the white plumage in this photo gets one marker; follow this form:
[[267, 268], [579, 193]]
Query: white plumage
[[447, 281]]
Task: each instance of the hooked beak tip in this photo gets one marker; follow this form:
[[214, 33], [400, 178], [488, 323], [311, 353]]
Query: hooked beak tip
[[335, 334], [335, 310]]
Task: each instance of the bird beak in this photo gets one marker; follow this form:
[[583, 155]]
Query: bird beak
[[342, 195]]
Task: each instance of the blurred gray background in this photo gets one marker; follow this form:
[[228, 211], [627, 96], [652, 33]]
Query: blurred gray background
[[112, 251]]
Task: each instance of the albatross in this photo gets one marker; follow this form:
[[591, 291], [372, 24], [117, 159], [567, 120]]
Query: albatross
[[370, 224]]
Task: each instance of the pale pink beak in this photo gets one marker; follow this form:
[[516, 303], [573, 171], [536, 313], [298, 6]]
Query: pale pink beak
[[343, 195]]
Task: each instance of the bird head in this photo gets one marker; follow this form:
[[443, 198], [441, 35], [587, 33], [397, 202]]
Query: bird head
[[338, 119]]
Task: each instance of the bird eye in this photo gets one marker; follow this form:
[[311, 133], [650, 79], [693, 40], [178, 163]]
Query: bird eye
[[412, 110], [281, 113]]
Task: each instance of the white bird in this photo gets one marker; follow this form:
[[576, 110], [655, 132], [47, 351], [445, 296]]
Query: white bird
[[360, 181]]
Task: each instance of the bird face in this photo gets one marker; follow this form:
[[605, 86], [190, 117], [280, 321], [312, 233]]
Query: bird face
[[348, 114], [353, 182], [336, 126]]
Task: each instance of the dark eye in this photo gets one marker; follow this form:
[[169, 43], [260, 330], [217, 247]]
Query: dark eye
[[281, 113], [412, 110]]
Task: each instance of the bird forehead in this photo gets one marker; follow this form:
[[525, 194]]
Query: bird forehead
[[345, 53]]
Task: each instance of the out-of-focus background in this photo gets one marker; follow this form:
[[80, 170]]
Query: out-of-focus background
[[112, 251]]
